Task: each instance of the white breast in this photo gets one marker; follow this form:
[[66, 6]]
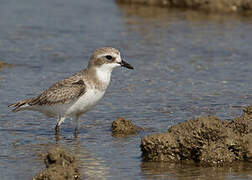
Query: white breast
[[85, 102], [103, 73]]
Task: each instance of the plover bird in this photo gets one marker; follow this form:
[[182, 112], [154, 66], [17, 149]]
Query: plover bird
[[75, 95]]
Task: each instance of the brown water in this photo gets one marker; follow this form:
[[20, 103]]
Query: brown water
[[186, 65]]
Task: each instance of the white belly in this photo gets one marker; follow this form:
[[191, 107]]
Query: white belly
[[84, 103]]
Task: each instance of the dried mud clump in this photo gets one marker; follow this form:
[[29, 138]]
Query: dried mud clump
[[60, 165], [206, 5], [122, 127], [208, 141]]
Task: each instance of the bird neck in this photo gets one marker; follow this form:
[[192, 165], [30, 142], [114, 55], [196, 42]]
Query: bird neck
[[103, 75]]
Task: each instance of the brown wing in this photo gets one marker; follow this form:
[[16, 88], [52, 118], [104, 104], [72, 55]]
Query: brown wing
[[64, 91]]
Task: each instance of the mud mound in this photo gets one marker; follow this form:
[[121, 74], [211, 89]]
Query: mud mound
[[60, 165], [209, 5], [122, 127], [208, 141]]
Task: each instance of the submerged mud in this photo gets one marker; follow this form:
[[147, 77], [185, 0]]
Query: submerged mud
[[207, 141], [60, 165], [122, 127], [209, 5], [4, 65]]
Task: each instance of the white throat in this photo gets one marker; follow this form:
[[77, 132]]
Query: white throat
[[103, 73]]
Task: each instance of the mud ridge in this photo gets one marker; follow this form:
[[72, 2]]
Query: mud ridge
[[205, 5], [207, 141], [123, 128], [60, 165]]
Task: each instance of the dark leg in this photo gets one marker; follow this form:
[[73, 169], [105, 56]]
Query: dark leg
[[76, 126], [57, 129], [76, 132]]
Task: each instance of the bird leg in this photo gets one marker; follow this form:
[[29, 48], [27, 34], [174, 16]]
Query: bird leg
[[76, 126], [56, 129], [59, 122]]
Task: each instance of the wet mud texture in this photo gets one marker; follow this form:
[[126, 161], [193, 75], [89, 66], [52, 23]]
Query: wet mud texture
[[60, 165], [207, 141], [124, 128], [206, 5]]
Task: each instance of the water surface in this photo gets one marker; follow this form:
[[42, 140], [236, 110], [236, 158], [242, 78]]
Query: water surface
[[186, 65]]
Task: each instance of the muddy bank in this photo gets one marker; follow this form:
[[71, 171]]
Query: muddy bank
[[205, 5], [207, 141], [60, 165], [122, 128]]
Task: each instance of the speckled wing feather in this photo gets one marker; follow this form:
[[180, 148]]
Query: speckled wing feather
[[62, 92]]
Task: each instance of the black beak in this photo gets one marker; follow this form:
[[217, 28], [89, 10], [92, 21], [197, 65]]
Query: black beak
[[125, 64]]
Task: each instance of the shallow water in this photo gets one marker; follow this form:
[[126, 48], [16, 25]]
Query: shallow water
[[186, 65]]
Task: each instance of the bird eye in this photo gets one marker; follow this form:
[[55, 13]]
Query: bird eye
[[109, 57]]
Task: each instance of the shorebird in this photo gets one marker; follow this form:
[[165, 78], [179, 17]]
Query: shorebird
[[75, 95]]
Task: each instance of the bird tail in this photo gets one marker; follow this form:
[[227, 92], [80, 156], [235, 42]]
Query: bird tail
[[21, 105]]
